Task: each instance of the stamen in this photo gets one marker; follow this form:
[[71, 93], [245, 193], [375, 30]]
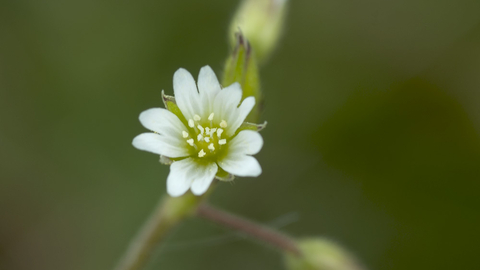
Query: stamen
[[190, 141], [201, 129], [210, 117], [211, 147], [201, 153], [219, 132], [207, 139], [223, 124], [207, 131], [222, 141], [191, 123], [185, 134], [199, 137], [197, 117]]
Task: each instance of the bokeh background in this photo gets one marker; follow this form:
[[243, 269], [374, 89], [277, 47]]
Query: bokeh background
[[373, 138]]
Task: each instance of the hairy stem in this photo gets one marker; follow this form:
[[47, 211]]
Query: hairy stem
[[168, 213], [258, 231]]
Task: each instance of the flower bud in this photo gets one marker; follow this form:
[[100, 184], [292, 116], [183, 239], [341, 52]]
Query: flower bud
[[261, 22], [321, 254], [241, 67]]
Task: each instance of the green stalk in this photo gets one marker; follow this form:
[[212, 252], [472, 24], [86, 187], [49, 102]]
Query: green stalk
[[169, 212]]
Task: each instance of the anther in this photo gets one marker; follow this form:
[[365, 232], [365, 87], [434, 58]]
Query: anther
[[219, 132], [211, 147], [207, 139], [197, 117], [210, 117], [223, 124], [199, 137], [222, 141], [185, 134], [201, 153], [207, 131], [201, 129], [191, 123], [190, 141]]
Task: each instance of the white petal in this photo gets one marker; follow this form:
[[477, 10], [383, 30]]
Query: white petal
[[188, 173], [186, 94], [226, 103], [163, 122], [208, 87], [205, 177], [162, 145], [241, 165], [247, 142], [241, 113], [177, 181]]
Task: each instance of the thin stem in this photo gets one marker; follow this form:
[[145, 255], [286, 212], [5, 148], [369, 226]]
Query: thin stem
[[168, 213], [260, 232]]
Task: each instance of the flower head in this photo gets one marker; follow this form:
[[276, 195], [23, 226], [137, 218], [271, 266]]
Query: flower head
[[204, 136]]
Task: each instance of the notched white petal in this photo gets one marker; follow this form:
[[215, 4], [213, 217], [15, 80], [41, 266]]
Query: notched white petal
[[182, 174], [186, 94], [241, 165], [246, 142], [208, 87], [162, 121], [226, 103], [188, 173], [241, 113], [205, 177], [161, 145]]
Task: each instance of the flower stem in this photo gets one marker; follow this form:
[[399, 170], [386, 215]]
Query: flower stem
[[258, 231], [168, 213]]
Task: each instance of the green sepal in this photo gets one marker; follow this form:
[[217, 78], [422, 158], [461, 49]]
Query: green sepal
[[241, 67], [171, 105], [165, 160], [222, 175], [252, 126], [166, 99]]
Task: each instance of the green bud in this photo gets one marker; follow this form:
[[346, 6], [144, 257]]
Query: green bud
[[241, 67], [261, 22], [321, 254]]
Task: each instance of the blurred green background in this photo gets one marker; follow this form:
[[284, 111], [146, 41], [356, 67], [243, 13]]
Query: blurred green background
[[373, 137]]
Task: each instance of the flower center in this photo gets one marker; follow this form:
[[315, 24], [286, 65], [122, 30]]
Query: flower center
[[205, 136]]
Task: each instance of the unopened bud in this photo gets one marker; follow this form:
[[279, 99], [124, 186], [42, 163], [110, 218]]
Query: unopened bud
[[261, 22], [321, 254], [241, 67]]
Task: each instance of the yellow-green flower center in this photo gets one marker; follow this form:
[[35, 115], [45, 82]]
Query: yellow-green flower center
[[206, 137]]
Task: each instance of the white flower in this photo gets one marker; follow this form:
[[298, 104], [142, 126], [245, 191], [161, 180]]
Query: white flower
[[205, 137]]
